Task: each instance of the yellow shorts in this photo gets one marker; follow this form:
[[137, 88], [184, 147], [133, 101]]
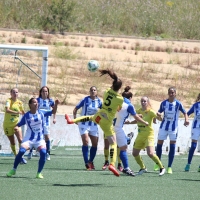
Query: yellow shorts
[[141, 142], [105, 124], [9, 131]]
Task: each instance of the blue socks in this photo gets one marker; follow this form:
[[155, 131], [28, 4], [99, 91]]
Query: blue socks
[[42, 160], [159, 150], [93, 151], [171, 154], [124, 158], [191, 152], [18, 157], [85, 153], [48, 146]]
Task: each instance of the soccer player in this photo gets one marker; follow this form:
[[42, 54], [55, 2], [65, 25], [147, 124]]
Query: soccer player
[[195, 134], [90, 105], [45, 103], [13, 109], [34, 137], [145, 137], [169, 125], [121, 116], [112, 102]]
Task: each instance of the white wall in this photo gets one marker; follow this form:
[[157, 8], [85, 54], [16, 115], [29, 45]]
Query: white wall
[[68, 135]]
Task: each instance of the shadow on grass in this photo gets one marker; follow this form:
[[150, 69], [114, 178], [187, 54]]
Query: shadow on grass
[[78, 185], [187, 180]]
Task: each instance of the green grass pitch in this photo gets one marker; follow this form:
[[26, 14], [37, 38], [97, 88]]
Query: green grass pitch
[[65, 178]]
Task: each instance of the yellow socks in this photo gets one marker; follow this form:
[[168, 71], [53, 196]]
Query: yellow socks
[[113, 153], [82, 119], [157, 161], [13, 149], [118, 155], [140, 162], [106, 154]]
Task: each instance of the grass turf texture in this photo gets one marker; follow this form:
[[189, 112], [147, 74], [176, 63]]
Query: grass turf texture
[[65, 177]]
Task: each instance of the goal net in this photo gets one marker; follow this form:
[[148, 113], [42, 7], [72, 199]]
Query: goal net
[[22, 67]]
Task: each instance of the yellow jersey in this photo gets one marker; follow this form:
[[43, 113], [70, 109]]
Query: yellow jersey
[[148, 115], [10, 119], [112, 102]]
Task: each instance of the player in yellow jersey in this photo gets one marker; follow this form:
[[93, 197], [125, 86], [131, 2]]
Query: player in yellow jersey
[[145, 137], [13, 109], [112, 102]]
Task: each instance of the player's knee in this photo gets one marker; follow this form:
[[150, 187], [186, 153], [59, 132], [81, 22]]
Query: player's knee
[[43, 153], [22, 151]]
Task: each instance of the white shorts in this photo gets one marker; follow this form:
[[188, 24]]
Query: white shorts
[[34, 143], [195, 134], [48, 131], [91, 130], [162, 135], [121, 137]]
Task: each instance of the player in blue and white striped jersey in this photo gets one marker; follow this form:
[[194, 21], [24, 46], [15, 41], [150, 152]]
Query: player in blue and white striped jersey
[[34, 137], [195, 133], [45, 103], [89, 129], [169, 125]]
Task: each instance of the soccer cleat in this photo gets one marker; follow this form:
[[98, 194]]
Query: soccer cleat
[[39, 176], [128, 172], [187, 168], [91, 165], [162, 171], [106, 164], [69, 120], [11, 173], [113, 170], [142, 171], [88, 167], [169, 170], [156, 167], [119, 167], [23, 161], [29, 156], [129, 137], [48, 156]]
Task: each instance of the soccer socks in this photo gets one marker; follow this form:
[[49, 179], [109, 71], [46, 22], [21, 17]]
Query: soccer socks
[[42, 160], [85, 153], [48, 143], [113, 153], [157, 161], [118, 156], [82, 119], [13, 149], [171, 154], [140, 161], [106, 154], [191, 152], [159, 150], [93, 151], [18, 157], [124, 158]]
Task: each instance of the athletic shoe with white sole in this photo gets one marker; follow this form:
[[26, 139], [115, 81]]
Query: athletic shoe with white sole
[[29, 156], [48, 156], [106, 164], [141, 171], [128, 172], [162, 171], [169, 170], [23, 161], [39, 176]]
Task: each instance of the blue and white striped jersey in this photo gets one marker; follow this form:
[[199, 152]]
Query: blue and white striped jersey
[[89, 107], [171, 114], [36, 126], [122, 115], [45, 104], [196, 110]]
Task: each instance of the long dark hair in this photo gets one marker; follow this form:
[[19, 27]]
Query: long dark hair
[[117, 83], [198, 98], [40, 92], [126, 92]]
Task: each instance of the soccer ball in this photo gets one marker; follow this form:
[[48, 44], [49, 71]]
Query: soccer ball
[[93, 65]]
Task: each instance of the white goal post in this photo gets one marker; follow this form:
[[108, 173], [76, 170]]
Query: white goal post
[[33, 48]]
